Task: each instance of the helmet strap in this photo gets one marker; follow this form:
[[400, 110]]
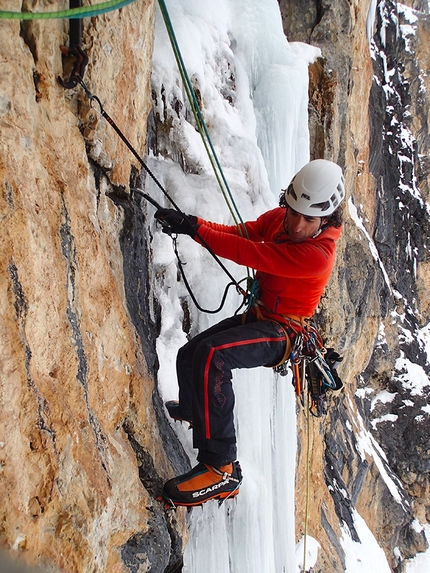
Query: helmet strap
[[322, 227]]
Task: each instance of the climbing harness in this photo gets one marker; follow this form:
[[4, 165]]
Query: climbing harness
[[313, 368], [312, 365]]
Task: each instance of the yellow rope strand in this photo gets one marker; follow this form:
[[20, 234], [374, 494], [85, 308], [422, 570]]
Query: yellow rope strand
[[308, 450]]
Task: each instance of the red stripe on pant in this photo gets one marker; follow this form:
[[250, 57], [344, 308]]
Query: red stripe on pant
[[207, 368]]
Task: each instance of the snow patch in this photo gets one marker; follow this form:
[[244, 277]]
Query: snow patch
[[385, 397], [412, 376], [362, 392], [381, 334], [363, 556], [420, 562], [387, 418], [312, 547]]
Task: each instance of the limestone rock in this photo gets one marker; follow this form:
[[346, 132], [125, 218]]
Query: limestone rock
[[84, 442], [77, 383]]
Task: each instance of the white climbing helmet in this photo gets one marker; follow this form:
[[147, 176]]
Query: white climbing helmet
[[317, 189]]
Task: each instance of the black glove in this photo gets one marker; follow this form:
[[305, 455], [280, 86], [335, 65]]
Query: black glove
[[332, 357], [175, 222]]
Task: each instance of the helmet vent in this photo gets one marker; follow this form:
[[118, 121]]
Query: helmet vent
[[334, 200], [321, 206], [290, 191]]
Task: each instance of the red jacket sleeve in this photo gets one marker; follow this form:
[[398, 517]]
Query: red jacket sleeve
[[304, 260], [254, 230]]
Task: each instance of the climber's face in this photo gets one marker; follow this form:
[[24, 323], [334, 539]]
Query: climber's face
[[301, 227]]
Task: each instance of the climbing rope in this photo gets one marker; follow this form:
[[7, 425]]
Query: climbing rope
[[201, 125], [88, 11], [308, 456], [207, 142], [314, 373], [189, 289], [93, 98], [71, 13]]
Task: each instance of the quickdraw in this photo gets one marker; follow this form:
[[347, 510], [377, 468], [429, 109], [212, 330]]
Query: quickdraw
[[313, 368]]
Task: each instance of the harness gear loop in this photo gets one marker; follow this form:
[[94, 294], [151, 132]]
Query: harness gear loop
[[287, 348]]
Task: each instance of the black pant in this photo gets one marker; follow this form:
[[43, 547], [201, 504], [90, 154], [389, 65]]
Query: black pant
[[204, 368]]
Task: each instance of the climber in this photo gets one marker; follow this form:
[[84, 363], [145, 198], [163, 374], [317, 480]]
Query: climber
[[292, 248]]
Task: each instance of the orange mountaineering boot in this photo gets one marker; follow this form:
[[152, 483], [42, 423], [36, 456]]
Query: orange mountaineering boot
[[203, 483]]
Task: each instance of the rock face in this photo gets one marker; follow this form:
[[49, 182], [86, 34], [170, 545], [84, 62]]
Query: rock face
[[369, 110], [82, 450], [84, 443]]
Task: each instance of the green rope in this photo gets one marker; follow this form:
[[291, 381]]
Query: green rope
[[200, 122], [72, 13]]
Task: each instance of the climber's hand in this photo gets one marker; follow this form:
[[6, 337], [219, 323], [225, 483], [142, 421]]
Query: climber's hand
[[175, 222]]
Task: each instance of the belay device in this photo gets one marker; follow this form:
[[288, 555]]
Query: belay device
[[312, 366]]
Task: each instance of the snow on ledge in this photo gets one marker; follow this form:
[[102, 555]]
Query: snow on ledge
[[357, 220], [311, 557], [365, 556]]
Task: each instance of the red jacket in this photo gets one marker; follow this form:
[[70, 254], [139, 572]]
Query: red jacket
[[291, 276]]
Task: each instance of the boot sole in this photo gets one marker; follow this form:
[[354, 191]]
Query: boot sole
[[182, 420], [221, 497]]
